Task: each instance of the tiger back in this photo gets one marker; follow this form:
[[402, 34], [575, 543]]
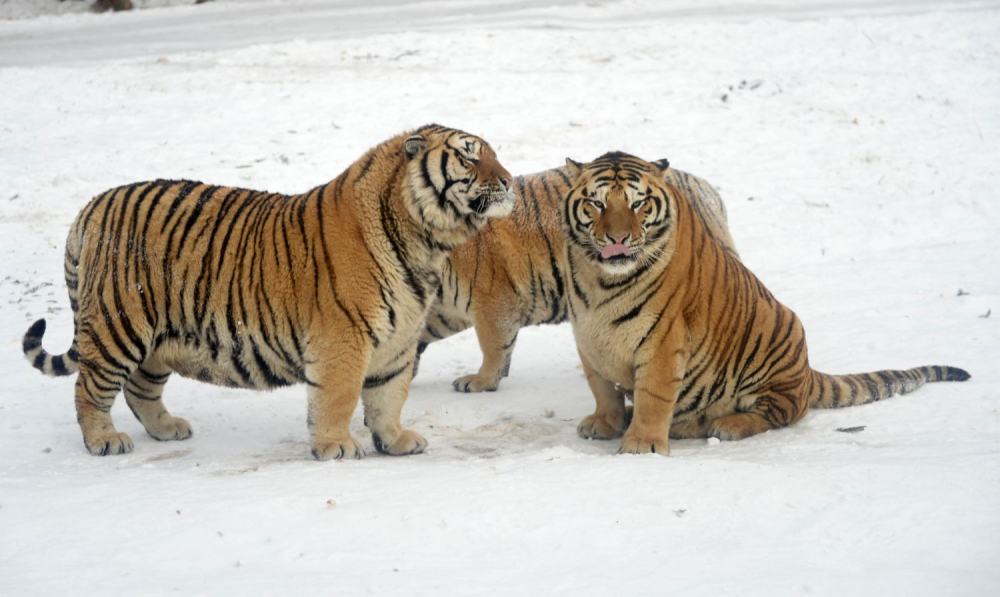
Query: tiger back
[[662, 312], [329, 288], [513, 273]]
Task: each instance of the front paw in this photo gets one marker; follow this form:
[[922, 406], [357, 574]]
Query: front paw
[[474, 383], [337, 449], [408, 442], [607, 426], [633, 444]]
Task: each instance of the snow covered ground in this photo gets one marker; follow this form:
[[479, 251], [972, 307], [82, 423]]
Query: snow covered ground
[[854, 142]]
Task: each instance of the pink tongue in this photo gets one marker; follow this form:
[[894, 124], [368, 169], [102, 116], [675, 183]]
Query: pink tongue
[[614, 250]]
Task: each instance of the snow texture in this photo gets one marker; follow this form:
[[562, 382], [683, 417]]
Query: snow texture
[[855, 144]]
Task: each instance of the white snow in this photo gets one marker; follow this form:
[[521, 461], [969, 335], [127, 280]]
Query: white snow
[[857, 152]]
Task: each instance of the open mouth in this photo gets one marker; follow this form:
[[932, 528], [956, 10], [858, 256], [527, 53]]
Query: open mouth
[[617, 253]]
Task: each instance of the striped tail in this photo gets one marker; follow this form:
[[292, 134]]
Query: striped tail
[[54, 366], [835, 391]]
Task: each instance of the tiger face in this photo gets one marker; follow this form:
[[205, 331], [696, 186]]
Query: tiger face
[[455, 179], [618, 211]]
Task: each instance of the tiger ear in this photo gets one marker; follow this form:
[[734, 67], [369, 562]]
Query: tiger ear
[[663, 164], [414, 144], [575, 168]]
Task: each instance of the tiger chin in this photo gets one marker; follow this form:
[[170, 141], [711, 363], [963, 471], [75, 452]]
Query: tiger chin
[[249, 289], [512, 274], [665, 314]]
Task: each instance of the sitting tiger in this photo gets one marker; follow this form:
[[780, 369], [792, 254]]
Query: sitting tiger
[[258, 290], [663, 312], [512, 273]]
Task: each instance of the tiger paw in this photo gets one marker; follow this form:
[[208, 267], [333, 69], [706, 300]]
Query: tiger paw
[[633, 444], [474, 383], [337, 449], [608, 426], [408, 442], [174, 429], [106, 444]]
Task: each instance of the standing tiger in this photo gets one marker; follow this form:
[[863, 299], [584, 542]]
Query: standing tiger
[[511, 274], [663, 312], [258, 290]]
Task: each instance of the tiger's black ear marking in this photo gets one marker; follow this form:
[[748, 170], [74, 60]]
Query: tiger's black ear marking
[[414, 144], [575, 168], [663, 164]]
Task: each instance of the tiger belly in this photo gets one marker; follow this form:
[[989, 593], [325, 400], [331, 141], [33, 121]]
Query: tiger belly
[[191, 357]]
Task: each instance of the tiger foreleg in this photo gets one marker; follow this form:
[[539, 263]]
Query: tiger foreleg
[[608, 420], [383, 397], [335, 374], [658, 379]]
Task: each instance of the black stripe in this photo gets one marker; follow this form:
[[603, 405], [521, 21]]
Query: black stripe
[[141, 396], [206, 194], [887, 379], [632, 313], [154, 377], [380, 380], [272, 379], [186, 189], [59, 366], [119, 342], [363, 170]]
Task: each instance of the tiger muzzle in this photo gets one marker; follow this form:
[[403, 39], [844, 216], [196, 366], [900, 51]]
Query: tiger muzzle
[[492, 201]]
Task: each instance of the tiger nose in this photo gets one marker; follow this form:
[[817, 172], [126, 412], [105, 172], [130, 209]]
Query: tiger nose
[[505, 181], [619, 240]]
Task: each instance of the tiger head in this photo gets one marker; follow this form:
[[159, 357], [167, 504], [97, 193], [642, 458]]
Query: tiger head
[[455, 180], [618, 212]]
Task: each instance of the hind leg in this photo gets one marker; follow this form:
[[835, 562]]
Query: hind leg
[[96, 388], [769, 411], [143, 394], [108, 356], [497, 333]]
